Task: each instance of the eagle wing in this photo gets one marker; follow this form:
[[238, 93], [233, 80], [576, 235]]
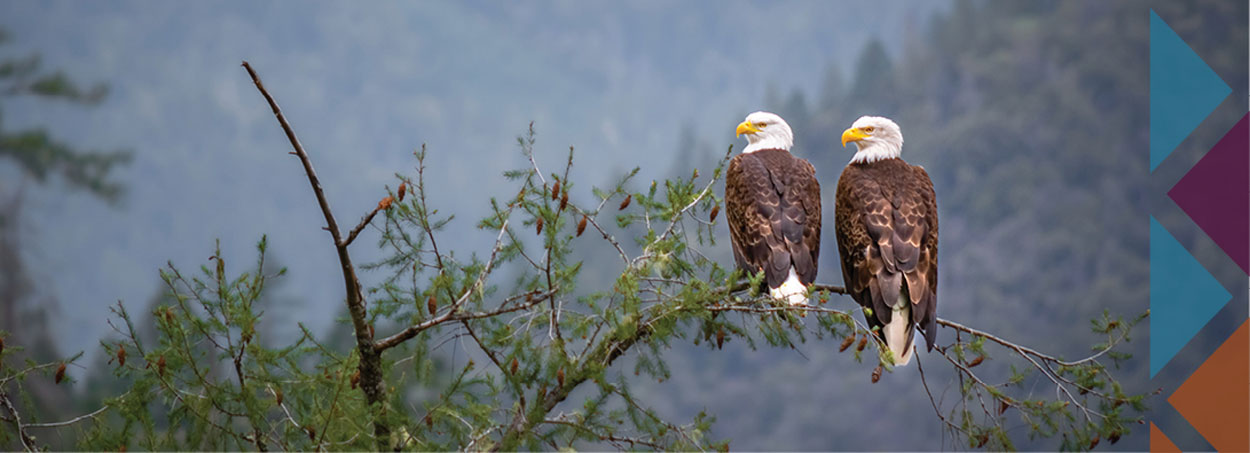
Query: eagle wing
[[772, 201], [925, 274], [887, 234]]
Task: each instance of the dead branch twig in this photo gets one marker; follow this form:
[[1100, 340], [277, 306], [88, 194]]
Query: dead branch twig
[[370, 359]]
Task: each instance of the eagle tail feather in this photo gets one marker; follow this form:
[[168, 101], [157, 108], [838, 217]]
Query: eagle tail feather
[[792, 290], [899, 330]]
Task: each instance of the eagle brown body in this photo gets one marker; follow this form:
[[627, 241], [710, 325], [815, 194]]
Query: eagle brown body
[[887, 229], [772, 202]]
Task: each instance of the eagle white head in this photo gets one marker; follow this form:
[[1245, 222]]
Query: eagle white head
[[875, 137], [766, 130]]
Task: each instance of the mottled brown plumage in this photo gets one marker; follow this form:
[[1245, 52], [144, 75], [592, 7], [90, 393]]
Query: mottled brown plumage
[[772, 202], [887, 229]]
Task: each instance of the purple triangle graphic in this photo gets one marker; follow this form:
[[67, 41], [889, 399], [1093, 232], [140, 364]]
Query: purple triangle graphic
[[1216, 193]]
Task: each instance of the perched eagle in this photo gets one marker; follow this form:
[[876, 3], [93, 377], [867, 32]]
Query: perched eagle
[[887, 227], [772, 201]]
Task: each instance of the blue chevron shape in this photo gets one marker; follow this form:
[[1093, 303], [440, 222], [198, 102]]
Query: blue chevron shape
[[1183, 296], [1183, 90]]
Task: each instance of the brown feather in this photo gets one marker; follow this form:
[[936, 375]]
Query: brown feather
[[887, 229], [772, 205]]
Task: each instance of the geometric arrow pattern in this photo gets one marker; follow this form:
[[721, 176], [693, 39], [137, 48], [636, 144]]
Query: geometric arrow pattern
[[1159, 442], [1183, 296], [1216, 398], [1183, 90], [1215, 196]]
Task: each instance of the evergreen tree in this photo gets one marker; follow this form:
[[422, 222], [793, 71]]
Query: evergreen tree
[[34, 156]]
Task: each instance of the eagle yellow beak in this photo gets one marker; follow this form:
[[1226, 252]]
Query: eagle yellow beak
[[852, 135], [746, 128]]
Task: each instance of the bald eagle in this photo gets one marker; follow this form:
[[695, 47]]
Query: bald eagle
[[887, 227], [772, 201]]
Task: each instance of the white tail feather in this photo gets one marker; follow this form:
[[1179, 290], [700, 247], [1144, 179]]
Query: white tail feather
[[897, 330], [792, 290]]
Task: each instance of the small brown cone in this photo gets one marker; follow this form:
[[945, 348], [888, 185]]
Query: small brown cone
[[160, 366], [386, 202], [876, 374], [976, 361], [560, 377], [847, 343], [862, 342], [720, 338], [121, 355], [403, 189], [715, 210], [513, 367], [356, 379], [555, 190], [278, 396], [538, 226], [625, 204], [581, 226], [564, 201], [432, 304], [60, 373]]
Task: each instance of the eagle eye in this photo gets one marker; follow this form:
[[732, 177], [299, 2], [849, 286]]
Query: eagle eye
[[761, 125], [868, 129]]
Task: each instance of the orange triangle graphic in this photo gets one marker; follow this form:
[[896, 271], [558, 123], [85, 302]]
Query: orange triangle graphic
[[1160, 442], [1216, 398]]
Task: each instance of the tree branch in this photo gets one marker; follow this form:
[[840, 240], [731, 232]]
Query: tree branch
[[617, 441], [370, 359], [351, 236], [1024, 350], [27, 442], [70, 421], [453, 316]]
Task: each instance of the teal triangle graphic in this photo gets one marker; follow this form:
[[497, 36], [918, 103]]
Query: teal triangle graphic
[[1183, 296], [1183, 90]]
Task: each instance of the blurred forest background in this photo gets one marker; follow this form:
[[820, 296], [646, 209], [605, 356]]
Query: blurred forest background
[[1031, 117]]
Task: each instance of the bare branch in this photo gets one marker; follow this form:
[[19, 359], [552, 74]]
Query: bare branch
[[27, 442], [617, 441], [70, 421], [351, 236], [452, 316], [370, 360], [925, 382], [1024, 350], [299, 151]]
